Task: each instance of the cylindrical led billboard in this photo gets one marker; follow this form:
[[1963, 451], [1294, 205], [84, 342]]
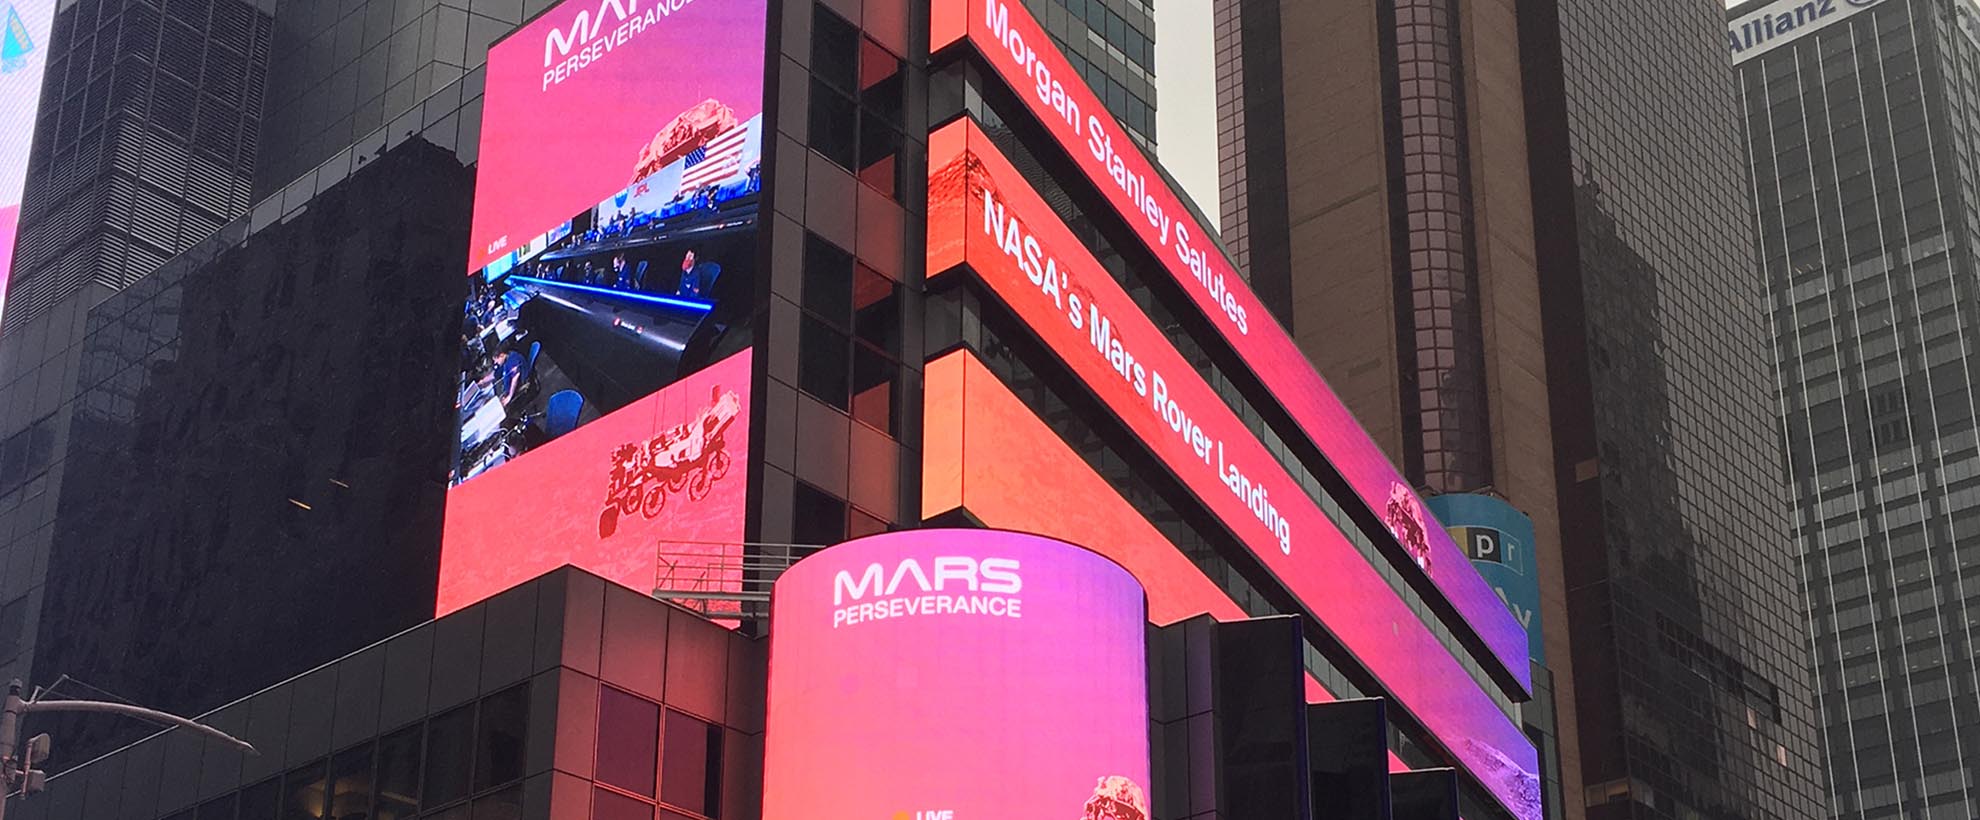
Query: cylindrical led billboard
[[953, 675]]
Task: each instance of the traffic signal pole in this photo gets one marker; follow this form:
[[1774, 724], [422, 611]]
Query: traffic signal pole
[[17, 772]]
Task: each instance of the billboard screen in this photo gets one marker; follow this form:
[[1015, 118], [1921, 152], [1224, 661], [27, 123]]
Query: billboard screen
[[650, 496], [954, 674], [614, 254], [24, 29], [990, 461], [1499, 540], [1018, 50], [983, 214]]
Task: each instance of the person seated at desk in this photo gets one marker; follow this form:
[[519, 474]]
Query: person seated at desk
[[621, 273], [508, 373], [690, 281]]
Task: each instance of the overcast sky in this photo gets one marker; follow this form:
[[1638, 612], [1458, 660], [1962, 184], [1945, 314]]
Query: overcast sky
[[1186, 99]]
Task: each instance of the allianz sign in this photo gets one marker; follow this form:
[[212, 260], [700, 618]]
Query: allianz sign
[[1758, 32]]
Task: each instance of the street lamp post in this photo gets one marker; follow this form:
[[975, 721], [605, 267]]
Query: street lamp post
[[17, 765]]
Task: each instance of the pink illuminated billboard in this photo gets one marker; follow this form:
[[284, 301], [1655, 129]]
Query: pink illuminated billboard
[[1019, 50], [596, 95], [650, 496], [982, 214], [24, 29], [614, 254], [956, 674]]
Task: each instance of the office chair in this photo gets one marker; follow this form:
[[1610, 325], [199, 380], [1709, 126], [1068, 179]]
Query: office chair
[[561, 412]]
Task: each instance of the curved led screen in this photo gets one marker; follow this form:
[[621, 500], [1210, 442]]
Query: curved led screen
[[953, 674]]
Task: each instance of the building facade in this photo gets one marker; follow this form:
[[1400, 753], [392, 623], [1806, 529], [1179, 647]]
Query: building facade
[[1111, 43], [1519, 285], [151, 148], [1860, 147], [760, 346], [566, 697]]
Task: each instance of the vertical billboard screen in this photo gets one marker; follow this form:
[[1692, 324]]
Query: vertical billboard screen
[[1018, 50], [613, 254], [24, 28], [956, 674]]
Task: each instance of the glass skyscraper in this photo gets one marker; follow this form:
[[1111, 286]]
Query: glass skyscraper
[[1862, 150], [1691, 662], [1514, 237]]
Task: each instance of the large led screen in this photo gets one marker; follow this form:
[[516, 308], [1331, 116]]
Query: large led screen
[[614, 254], [24, 28], [956, 674], [986, 463], [650, 496], [1018, 49], [983, 214]]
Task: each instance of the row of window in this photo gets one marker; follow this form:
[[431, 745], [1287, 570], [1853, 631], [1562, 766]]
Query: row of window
[[858, 102], [1139, 48], [463, 762], [468, 764]]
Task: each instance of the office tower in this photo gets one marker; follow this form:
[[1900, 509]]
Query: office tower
[[265, 408], [1864, 224], [1406, 210], [145, 142], [1503, 230], [161, 125], [164, 121], [736, 320]]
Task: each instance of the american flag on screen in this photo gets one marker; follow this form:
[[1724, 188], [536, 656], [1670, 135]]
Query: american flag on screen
[[718, 160]]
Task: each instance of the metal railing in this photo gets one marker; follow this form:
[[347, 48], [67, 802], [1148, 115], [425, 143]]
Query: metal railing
[[723, 581]]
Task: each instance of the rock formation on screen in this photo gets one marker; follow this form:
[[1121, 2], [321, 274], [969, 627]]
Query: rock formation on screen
[[692, 129]]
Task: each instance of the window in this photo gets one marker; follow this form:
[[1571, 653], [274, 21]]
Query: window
[[691, 765], [499, 738], [220, 809], [398, 775], [875, 390], [835, 50], [824, 362], [834, 124], [13, 621], [628, 741], [841, 294], [876, 310], [264, 800], [611, 805], [449, 753], [816, 516], [501, 805], [828, 280], [350, 783], [303, 792], [857, 102]]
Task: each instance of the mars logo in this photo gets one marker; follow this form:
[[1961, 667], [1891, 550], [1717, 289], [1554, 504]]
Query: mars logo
[[951, 585], [687, 457], [588, 40]]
